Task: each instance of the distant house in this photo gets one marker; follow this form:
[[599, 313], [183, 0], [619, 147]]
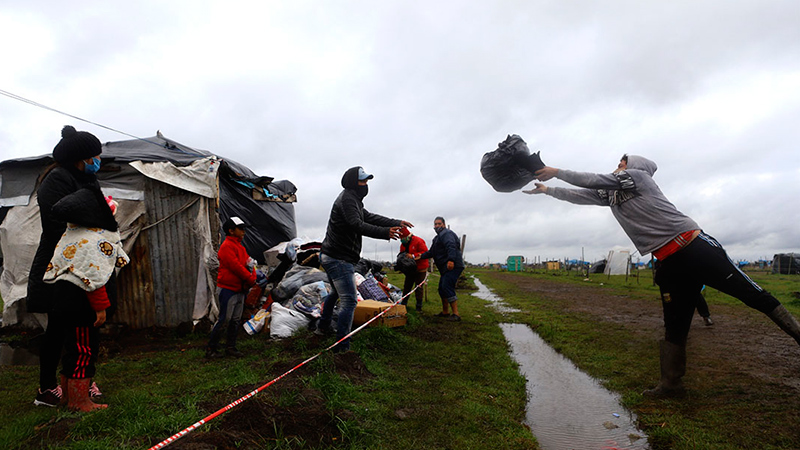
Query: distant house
[[515, 263]]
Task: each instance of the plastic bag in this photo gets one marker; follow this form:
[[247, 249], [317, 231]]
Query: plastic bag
[[511, 166], [365, 266], [405, 264], [297, 277], [310, 298], [257, 322], [284, 322]]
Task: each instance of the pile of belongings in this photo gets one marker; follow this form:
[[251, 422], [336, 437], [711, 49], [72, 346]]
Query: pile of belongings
[[297, 289], [511, 166]]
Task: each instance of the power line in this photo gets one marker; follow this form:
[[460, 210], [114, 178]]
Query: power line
[[31, 102]]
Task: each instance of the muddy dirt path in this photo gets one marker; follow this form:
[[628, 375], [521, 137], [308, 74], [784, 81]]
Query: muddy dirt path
[[741, 340]]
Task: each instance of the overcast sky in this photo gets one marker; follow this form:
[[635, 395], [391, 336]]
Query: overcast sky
[[417, 91]]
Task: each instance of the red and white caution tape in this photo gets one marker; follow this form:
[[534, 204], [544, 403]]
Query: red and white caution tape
[[253, 393]]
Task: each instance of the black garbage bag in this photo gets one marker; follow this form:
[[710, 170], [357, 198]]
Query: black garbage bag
[[277, 274], [405, 264], [365, 266], [511, 166]]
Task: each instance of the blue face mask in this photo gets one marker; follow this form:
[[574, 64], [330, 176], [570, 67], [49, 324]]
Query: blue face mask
[[93, 167]]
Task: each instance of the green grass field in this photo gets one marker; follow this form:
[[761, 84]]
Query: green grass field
[[430, 384]]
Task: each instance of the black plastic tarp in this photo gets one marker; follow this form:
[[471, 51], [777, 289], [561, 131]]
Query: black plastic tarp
[[786, 263]]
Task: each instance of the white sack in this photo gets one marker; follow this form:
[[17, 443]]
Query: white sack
[[285, 322]]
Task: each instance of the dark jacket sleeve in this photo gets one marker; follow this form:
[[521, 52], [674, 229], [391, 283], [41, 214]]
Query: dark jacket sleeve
[[429, 253], [352, 215], [382, 221], [55, 186], [86, 207], [418, 247], [451, 246]]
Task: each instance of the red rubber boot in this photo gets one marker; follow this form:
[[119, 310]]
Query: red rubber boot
[[78, 392], [64, 393]]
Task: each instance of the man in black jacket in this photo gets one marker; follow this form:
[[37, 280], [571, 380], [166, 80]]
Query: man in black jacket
[[341, 249], [446, 253]]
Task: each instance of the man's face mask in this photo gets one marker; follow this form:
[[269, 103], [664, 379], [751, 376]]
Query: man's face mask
[[438, 227], [93, 167]]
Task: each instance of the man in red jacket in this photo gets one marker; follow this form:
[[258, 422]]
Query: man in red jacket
[[414, 246], [233, 281]]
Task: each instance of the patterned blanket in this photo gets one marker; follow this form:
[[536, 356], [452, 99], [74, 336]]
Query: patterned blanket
[[86, 257]]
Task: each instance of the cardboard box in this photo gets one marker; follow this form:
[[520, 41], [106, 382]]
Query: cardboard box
[[367, 309]]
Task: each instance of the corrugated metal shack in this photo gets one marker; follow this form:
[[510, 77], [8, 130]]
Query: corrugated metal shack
[[172, 199], [159, 287]]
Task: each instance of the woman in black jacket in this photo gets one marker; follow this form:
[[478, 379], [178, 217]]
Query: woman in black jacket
[[66, 305]]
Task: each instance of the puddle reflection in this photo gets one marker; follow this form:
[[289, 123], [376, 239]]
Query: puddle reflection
[[567, 409], [486, 294]]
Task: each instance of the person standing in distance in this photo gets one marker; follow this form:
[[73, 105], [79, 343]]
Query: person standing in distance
[[349, 221], [689, 258], [446, 252]]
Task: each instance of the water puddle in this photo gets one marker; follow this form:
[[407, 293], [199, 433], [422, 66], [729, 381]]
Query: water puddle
[[497, 302], [567, 409], [20, 356]]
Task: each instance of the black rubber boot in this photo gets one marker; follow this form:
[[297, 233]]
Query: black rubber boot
[[233, 351], [673, 368], [212, 353], [786, 321]]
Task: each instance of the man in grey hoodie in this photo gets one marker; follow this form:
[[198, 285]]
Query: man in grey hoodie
[[688, 257]]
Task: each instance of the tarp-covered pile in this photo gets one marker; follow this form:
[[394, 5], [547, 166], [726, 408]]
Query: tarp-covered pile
[[786, 263]]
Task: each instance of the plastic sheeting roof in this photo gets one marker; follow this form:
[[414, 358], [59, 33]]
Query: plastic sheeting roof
[[259, 200]]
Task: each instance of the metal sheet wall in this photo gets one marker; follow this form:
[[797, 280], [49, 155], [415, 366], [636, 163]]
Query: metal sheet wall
[[135, 289], [174, 253], [158, 287]]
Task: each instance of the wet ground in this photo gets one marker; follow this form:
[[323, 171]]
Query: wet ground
[[17, 356], [742, 340], [567, 409]]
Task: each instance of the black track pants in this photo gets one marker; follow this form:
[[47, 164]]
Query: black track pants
[[682, 276]]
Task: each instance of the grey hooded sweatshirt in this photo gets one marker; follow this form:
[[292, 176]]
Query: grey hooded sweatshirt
[[647, 217]]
